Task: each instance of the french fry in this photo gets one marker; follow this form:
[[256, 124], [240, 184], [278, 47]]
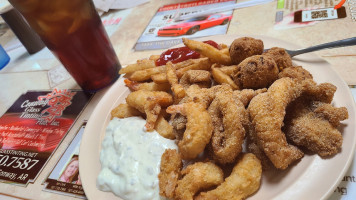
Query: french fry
[[207, 50], [140, 65], [124, 110], [225, 51], [159, 78], [182, 67], [229, 70], [220, 77], [145, 74], [154, 57], [199, 64], [148, 86]]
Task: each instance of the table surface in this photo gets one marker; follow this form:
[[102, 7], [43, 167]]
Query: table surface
[[257, 20]]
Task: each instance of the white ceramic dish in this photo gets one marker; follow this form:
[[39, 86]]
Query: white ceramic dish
[[311, 178]]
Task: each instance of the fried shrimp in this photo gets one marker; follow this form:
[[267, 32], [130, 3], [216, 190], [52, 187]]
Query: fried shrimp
[[244, 180], [150, 103], [198, 130], [267, 112], [196, 177], [172, 78], [171, 165], [228, 133]]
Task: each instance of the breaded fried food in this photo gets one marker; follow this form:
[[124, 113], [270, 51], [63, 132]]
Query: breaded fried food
[[172, 78], [280, 56], [255, 72], [198, 129], [123, 110], [246, 95], [150, 103], [163, 127], [297, 72], [150, 86], [220, 77], [227, 116], [171, 165], [313, 125], [202, 78], [244, 47], [267, 111], [244, 180], [204, 96], [196, 177]]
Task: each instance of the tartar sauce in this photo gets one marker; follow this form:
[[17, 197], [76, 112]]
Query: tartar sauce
[[130, 158]]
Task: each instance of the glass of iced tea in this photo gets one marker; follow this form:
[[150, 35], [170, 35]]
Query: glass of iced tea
[[73, 31]]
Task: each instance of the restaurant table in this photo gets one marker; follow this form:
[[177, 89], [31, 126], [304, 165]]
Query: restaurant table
[[256, 20]]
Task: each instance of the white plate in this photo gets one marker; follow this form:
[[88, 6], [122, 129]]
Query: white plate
[[311, 178]]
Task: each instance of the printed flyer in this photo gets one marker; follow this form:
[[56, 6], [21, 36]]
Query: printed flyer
[[32, 128], [65, 178], [286, 10], [165, 31]]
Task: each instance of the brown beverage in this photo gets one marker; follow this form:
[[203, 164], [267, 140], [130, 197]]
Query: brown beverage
[[73, 31]]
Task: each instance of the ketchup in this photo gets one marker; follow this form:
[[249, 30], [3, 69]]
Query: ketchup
[[180, 54]]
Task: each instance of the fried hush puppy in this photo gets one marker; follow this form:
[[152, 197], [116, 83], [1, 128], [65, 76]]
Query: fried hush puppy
[[255, 72], [267, 112], [244, 180], [244, 47], [280, 56]]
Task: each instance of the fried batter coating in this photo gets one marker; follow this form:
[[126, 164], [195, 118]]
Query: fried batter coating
[[171, 165], [164, 128], [202, 78], [244, 47], [313, 125], [228, 133], [172, 78], [298, 73], [245, 180], [246, 95], [194, 93], [255, 72], [196, 177], [150, 103], [267, 111], [198, 130], [280, 56], [123, 110]]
